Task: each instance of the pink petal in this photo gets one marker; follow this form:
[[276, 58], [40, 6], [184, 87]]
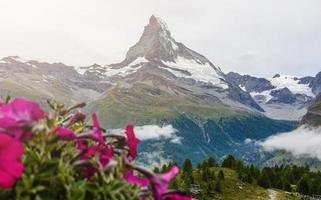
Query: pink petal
[[132, 179], [160, 182], [132, 141], [10, 149], [95, 121], [97, 134], [11, 168], [65, 134], [77, 117], [16, 115], [176, 197], [6, 181]]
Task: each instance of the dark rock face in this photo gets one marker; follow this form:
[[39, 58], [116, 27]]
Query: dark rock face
[[282, 96], [157, 44], [306, 80], [276, 76], [287, 97], [250, 83], [316, 84], [239, 95], [313, 116]]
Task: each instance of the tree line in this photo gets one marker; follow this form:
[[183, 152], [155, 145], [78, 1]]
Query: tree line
[[206, 182], [201, 181], [290, 178]]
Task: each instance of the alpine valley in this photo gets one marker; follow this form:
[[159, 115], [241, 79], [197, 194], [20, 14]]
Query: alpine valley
[[183, 106]]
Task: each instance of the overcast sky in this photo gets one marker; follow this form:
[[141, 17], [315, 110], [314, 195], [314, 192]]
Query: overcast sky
[[249, 36]]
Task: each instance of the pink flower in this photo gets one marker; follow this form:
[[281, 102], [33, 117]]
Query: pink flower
[[2, 103], [132, 141], [135, 180], [65, 134], [175, 197], [11, 168], [105, 153], [77, 117], [160, 182], [96, 133], [18, 116]]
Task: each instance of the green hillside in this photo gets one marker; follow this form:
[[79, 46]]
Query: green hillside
[[142, 103], [206, 126], [232, 188], [211, 181]]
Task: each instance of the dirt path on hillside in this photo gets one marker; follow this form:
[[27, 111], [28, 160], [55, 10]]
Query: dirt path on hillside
[[272, 194]]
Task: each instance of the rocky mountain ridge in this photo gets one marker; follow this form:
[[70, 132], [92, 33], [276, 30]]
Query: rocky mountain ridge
[[282, 97], [160, 83]]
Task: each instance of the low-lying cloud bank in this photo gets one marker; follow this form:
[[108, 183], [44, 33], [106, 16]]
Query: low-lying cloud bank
[[154, 132], [149, 132], [303, 141]]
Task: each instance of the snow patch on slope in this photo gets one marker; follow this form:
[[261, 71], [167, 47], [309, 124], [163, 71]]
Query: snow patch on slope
[[129, 69], [107, 71], [281, 82], [262, 97], [197, 71], [292, 83]]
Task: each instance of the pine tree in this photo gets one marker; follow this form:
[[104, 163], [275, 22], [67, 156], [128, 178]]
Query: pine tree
[[229, 162], [303, 186], [220, 175], [264, 180], [164, 168], [211, 175], [286, 186], [188, 173], [238, 165], [211, 162], [315, 186], [187, 167], [248, 178], [205, 174], [174, 184], [218, 187], [156, 170]]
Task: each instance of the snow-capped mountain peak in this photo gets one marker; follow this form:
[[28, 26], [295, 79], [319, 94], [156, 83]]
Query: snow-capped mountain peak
[[12, 59], [292, 83], [158, 56], [282, 96], [155, 43]]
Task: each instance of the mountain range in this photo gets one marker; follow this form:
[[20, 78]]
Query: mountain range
[[182, 104], [281, 97]]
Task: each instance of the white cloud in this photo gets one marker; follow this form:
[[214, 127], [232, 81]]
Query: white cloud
[[303, 141], [148, 132], [153, 159], [248, 141]]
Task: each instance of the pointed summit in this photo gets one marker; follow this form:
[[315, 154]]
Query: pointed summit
[[156, 43], [158, 24]]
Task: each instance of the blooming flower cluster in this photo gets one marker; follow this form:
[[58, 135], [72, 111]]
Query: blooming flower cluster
[[58, 153]]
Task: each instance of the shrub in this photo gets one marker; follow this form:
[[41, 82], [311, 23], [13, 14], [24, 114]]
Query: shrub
[[57, 155]]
